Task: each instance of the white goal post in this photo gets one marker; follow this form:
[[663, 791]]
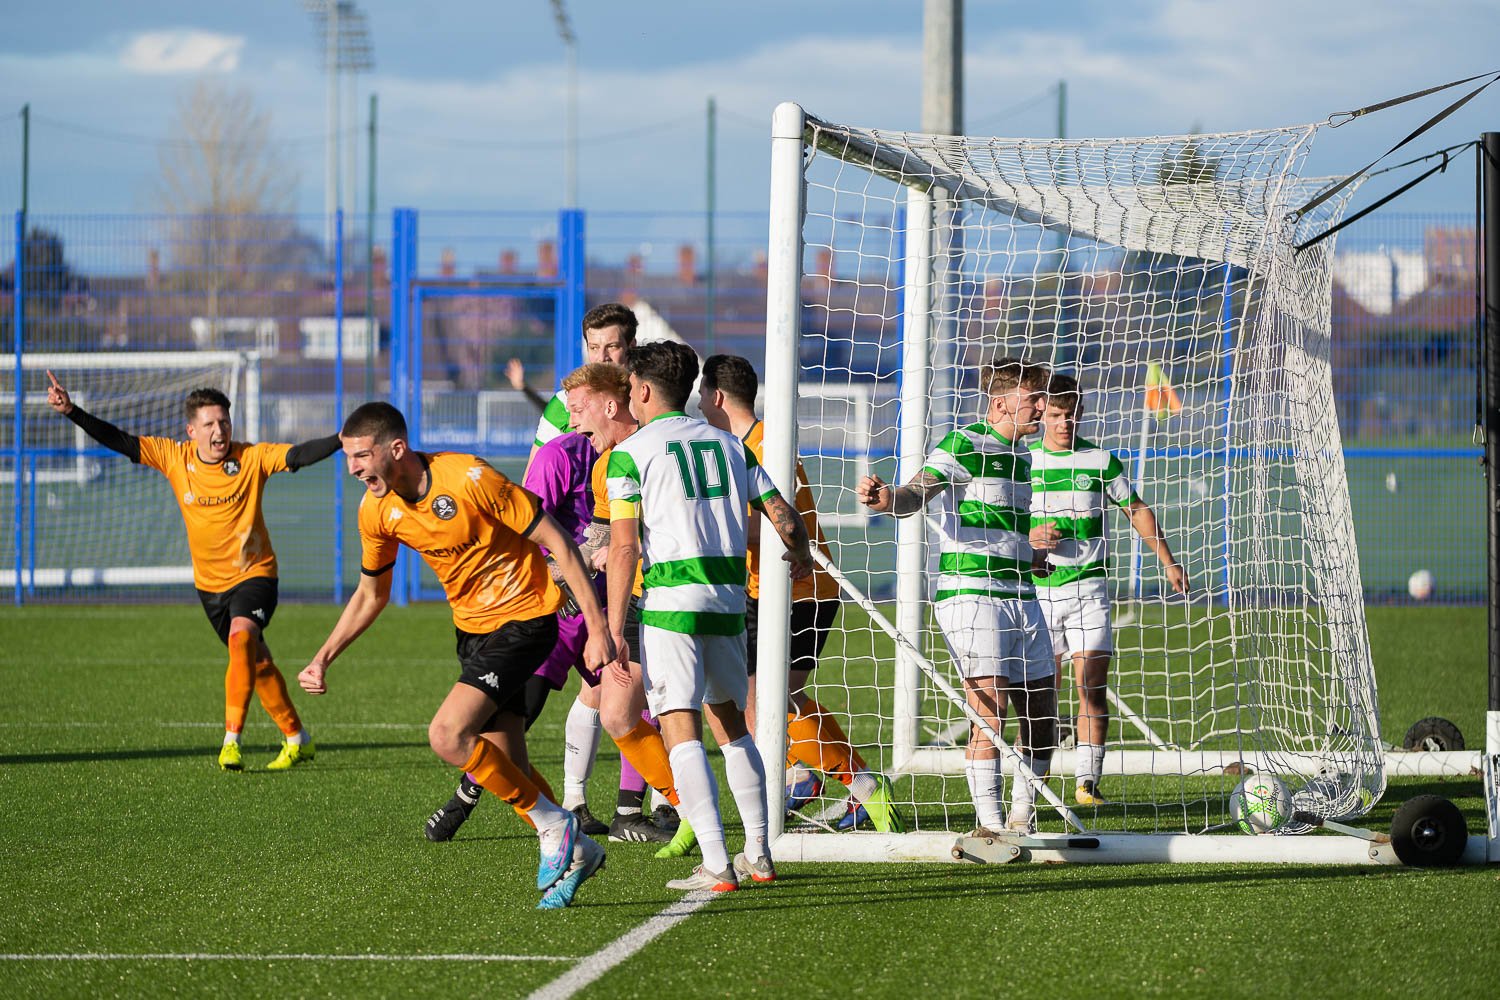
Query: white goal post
[[90, 522], [1097, 258]]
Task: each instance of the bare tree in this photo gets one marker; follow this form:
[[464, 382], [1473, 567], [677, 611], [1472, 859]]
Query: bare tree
[[225, 191]]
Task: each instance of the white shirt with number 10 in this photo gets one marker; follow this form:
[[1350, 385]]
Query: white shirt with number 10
[[688, 484]]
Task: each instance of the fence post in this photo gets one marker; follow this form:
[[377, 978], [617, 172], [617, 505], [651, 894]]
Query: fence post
[[403, 268], [18, 343], [567, 337], [338, 406]]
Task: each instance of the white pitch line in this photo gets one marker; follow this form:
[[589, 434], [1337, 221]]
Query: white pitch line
[[273, 957], [591, 968]]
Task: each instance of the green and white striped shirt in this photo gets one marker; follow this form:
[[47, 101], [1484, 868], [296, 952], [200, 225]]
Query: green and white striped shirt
[[986, 514], [691, 485], [554, 422], [1068, 489]]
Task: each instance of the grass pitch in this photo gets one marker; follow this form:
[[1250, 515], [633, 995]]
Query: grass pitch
[[126, 850]]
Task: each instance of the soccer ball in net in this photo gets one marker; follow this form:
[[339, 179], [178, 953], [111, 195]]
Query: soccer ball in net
[[1260, 803]]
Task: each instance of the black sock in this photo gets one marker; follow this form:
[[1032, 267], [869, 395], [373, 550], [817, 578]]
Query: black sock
[[467, 796], [629, 801]]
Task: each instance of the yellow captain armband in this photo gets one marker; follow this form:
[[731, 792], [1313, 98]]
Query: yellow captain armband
[[624, 510]]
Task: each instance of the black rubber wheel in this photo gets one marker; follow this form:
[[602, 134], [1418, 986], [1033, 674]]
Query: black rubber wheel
[[1433, 733], [1428, 831]]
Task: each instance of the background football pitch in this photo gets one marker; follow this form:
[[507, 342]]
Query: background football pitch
[[125, 851]]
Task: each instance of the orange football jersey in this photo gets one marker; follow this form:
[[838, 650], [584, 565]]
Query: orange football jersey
[[471, 528], [820, 586], [599, 479], [220, 506]]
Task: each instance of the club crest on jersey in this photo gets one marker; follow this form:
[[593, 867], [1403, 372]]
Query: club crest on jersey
[[231, 467], [1081, 481], [444, 507]]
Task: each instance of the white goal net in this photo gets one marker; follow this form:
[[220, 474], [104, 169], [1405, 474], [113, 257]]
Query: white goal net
[[1161, 274], [88, 518]]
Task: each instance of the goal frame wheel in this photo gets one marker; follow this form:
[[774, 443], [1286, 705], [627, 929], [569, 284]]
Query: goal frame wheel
[[1433, 733], [1428, 831]]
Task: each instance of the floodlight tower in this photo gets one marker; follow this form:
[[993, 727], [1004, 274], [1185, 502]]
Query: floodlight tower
[[344, 40], [570, 161]]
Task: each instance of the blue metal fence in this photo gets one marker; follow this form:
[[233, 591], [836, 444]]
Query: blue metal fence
[[454, 296]]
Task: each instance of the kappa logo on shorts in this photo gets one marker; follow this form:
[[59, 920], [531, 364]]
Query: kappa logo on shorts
[[445, 507], [491, 679], [231, 467], [259, 613]]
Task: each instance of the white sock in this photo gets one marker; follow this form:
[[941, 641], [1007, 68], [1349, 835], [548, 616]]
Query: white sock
[[1023, 795], [747, 782], [550, 819], [658, 799], [580, 746], [699, 795], [230, 737], [300, 736], [984, 789], [1090, 756], [863, 786], [1097, 765]]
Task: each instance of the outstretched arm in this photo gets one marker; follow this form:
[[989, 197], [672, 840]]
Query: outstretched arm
[[599, 650], [102, 431], [365, 605], [1143, 520], [311, 452], [901, 501], [789, 525], [515, 373]]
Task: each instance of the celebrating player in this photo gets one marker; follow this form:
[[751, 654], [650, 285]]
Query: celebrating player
[[483, 537], [986, 601], [218, 483], [608, 332], [599, 409], [814, 736], [678, 493], [1070, 479]]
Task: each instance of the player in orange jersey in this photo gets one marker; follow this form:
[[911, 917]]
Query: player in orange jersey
[[482, 535], [218, 483]]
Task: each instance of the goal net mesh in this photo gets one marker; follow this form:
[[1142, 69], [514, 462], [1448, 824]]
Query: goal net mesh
[[97, 526], [1162, 274]]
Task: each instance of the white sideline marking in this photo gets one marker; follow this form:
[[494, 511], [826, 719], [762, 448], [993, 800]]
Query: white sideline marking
[[592, 967], [288, 957]]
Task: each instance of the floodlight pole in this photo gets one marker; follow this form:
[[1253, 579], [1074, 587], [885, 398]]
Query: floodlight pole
[[1489, 158]]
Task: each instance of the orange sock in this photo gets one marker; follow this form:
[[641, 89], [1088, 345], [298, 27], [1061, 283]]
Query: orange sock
[[816, 739], [270, 685], [239, 680], [498, 775], [543, 787], [643, 747]]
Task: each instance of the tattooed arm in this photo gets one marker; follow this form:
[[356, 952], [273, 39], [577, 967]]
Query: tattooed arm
[[901, 501], [788, 524]]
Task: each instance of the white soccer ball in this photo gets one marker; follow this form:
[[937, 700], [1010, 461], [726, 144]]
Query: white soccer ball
[[1391, 484], [1419, 585], [1260, 803]]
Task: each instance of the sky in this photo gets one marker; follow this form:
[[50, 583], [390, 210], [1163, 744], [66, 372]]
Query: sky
[[472, 94]]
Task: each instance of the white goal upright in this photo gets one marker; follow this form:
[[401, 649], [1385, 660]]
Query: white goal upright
[[88, 519], [900, 264]]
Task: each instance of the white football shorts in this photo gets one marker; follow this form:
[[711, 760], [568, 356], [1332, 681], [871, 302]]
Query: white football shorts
[[688, 671], [1078, 618], [996, 637]]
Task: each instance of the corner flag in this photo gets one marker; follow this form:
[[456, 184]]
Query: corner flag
[[1161, 398]]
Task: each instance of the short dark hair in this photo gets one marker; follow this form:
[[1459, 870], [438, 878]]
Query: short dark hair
[[1062, 390], [732, 375], [612, 314], [670, 367], [199, 398], [381, 421]]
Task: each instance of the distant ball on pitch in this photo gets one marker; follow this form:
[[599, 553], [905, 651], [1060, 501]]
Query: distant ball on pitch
[[1391, 484], [1419, 585]]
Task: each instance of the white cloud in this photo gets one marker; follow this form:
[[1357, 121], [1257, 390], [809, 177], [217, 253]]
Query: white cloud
[[182, 50]]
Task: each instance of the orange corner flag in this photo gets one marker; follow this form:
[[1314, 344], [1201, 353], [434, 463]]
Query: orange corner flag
[[1161, 398]]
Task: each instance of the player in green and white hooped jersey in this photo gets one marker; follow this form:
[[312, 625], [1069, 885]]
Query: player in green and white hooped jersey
[[608, 332], [678, 493], [985, 600], [1071, 479]]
